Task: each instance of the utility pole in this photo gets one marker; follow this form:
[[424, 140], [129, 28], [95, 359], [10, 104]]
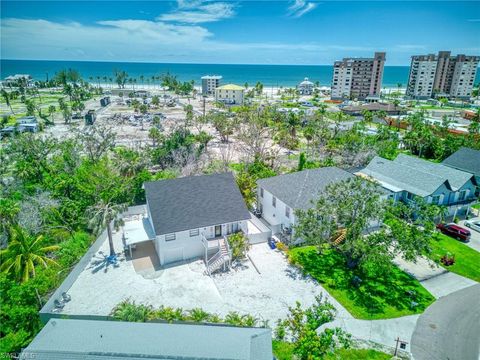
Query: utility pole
[[403, 345], [204, 99]]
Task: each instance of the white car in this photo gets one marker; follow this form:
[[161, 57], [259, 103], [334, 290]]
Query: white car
[[473, 224]]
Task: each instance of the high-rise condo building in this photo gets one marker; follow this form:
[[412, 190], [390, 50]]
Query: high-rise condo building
[[442, 75], [210, 83], [358, 78]]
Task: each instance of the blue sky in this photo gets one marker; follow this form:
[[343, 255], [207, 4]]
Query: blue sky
[[248, 32]]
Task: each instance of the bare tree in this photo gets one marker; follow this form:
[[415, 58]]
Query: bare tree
[[97, 140]]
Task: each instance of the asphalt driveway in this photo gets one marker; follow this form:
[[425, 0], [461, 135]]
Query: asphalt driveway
[[450, 328]]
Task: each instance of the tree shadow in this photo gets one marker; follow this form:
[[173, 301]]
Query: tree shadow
[[101, 261], [372, 294]]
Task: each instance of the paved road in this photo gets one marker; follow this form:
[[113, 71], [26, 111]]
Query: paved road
[[475, 238], [450, 328]]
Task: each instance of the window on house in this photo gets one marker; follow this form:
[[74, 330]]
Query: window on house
[[261, 192], [435, 199], [274, 201], [169, 237], [409, 196], [287, 212], [462, 195], [194, 232]]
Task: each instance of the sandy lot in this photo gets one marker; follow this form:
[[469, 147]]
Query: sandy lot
[[266, 295]]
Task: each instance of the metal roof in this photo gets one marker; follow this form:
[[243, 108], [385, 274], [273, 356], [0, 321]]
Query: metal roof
[[98, 339], [301, 189], [193, 202]]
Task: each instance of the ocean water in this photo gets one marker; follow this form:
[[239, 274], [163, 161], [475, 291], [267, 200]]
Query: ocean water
[[269, 75]]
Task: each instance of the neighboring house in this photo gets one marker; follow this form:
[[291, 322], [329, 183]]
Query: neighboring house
[[278, 197], [306, 87], [98, 339], [465, 159], [389, 109], [186, 211], [408, 176], [230, 94]]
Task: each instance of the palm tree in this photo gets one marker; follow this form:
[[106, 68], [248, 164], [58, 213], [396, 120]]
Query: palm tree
[[24, 253], [102, 215], [6, 97]]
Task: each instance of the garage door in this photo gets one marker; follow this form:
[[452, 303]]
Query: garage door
[[173, 255]]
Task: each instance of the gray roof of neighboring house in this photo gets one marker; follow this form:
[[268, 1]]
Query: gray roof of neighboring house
[[456, 178], [98, 339], [194, 202], [300, 189], [465, 159], [414, 175]]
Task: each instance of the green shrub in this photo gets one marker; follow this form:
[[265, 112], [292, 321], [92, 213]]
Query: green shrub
[[239, 245]]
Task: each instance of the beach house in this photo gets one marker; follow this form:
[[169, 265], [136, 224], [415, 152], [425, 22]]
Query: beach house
[[305, 87], [192, 216], [280, 196], [407, 177]]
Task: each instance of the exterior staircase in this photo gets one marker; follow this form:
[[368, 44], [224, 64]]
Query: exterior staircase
[[221, 259], [340, 236]]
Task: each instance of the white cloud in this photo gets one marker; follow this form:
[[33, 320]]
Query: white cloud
[[300, 8], [196, 12], [108, 40]]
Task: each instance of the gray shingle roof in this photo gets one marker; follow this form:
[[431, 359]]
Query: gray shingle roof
[[97, 339], [456, 178], [194, 202], [417, 176], [298, 190], [465, 159]]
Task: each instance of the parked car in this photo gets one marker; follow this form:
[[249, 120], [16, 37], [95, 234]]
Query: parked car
[[455, 231], [473, 224]]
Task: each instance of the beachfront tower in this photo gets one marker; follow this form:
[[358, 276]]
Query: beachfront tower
[[442, 75], [210, 83], [358, 78]]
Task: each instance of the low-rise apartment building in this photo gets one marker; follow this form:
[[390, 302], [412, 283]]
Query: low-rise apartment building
[[230, 94], [210, 83]]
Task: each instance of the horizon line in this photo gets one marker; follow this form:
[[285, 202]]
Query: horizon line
[[185, 63]]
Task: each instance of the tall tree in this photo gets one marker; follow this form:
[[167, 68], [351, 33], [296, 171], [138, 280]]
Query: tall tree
[[24, 253], [102, 216], [6, 96]]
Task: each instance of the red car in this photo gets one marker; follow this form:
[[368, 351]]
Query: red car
[[455, 231]]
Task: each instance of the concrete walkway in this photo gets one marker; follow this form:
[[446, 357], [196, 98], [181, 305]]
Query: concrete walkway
[[382, 332], [450, 328]]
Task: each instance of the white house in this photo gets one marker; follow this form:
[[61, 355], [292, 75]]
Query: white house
[[191, 213], [278, 197], [230, 94], [306, 87]]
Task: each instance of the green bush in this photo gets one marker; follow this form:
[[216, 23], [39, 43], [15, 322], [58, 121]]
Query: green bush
[[239, 245]]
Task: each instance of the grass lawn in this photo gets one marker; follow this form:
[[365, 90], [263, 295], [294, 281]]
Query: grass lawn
[[374, 298], [476, 206], [284, 351], [467, 260]]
